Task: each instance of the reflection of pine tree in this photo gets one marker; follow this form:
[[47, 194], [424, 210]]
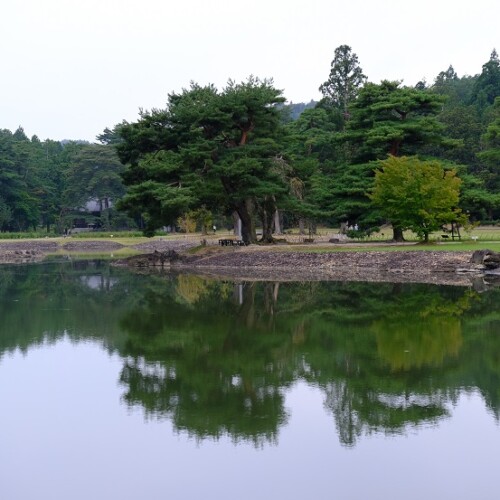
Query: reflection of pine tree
[[212, 406], [358, 412], [340, 403]]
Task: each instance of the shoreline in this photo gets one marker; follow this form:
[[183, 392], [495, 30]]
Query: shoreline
[[276, 264], [270, 263]]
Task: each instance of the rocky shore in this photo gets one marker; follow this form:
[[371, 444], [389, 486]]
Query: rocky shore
[[276, 263], [271, 263]]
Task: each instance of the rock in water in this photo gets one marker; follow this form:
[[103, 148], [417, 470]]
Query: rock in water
[[487, 258], [155, 259]]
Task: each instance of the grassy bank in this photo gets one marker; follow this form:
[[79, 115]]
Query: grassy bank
[[480, 237]]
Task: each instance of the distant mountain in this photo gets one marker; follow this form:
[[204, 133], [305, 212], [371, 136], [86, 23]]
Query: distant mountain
[[74, 141], [296, 108]]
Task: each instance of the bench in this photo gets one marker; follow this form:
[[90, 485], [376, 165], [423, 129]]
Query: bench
[[231, 242]]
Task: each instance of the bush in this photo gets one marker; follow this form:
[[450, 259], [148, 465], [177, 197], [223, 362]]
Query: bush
[[361, 234]]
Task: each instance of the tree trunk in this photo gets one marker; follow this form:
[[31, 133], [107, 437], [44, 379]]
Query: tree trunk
[[267, 212], [394, 150], [237, 225], [302, 229], [277, 223], [245, 211], [247, 311], [267, 227], [397, 233], [238, 293]]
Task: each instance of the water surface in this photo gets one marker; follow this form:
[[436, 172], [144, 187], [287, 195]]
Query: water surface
[[114, 385]]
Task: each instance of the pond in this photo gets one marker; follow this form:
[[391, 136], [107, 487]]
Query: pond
[[116, 385]]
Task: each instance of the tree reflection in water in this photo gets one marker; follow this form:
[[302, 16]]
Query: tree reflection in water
[[217, 358]]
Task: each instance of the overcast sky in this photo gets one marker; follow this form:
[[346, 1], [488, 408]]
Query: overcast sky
[[69, 68]]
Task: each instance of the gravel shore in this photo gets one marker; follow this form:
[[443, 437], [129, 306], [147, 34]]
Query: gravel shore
[[438, 267], [274, 262]]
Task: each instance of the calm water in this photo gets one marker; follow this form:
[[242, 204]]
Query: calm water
[[122, 386]]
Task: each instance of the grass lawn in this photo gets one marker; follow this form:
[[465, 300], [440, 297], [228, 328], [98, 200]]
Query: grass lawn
[[478, 238], [465, 246]]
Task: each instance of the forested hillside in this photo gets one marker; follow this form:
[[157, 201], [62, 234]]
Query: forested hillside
[[241, 152]]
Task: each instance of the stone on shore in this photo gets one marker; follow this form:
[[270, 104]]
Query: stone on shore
[[486, 259]]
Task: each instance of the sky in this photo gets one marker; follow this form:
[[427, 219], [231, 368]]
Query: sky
[[70, 68]]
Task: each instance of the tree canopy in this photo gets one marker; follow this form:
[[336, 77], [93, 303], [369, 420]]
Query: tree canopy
[[417, 195], [207, 147], [345, 79]]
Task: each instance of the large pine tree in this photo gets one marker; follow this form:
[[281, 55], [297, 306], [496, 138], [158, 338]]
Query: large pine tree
[[206, 148]]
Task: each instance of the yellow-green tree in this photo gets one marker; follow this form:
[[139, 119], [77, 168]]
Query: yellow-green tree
[[417, 195]]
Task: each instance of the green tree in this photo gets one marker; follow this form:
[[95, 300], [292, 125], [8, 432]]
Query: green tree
[[111, 136], [386, 118], [31, 179], [17, 180], [5, 214], [209, 148], [487, 85], [313, 154], [490, 157], [345, 79], [93, 175], [491, 140], [417, 195], [457, 90], [464, 123]]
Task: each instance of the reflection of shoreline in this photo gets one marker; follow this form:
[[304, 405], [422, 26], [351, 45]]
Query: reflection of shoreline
[[306, 263], [291, 275], [274, 263]]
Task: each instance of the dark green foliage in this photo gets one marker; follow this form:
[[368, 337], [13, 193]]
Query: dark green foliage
[[28, 181], [391, 119], [93, 175], [206, 148], [491, 140], [111, 136], [465, 116], [490, 157], [487, 85], [384, 119], [41, 183], [345, 79]]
